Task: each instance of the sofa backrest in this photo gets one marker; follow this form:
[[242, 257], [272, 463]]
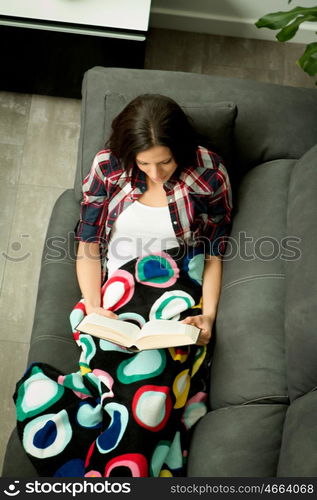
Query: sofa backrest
[[273, 121]]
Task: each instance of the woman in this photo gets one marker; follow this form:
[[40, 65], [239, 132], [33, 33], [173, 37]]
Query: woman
[[153, 225]]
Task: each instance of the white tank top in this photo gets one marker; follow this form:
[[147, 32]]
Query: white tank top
[[139, 229]]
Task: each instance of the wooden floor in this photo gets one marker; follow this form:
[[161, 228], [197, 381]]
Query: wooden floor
[[38, 148], [259, 60]]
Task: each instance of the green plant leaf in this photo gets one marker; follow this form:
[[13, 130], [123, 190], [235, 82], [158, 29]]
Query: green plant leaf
[[278, 20], [308, 61], [291, 29], [288, 23]]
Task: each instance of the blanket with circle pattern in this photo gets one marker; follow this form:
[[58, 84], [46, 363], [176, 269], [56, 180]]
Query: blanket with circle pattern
[[123, 413]]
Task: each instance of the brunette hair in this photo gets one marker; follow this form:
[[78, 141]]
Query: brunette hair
[[153, 120]]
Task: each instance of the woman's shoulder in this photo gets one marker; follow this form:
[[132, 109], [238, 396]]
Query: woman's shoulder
[[206, 174], [107, 157], [109, 165], [211, 165], [208, 159]]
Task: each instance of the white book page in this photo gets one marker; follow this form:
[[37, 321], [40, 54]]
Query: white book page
[[162, 327], [129, 330]]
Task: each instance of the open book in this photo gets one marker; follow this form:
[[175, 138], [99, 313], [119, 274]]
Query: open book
[[155, 334]]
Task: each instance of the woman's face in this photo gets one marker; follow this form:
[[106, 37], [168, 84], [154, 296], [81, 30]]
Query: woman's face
[[157, 163]]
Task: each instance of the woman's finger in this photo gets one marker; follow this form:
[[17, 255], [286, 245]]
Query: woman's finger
[[204, 337], [187, 320], [108, 314]]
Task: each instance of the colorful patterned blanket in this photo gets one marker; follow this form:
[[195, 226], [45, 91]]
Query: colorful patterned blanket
[[122, 413]]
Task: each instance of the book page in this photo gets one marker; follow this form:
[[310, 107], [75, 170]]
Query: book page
[[112, 328], [158, 334], [162, 327]]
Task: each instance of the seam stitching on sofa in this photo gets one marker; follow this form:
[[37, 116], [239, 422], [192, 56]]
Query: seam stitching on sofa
[[264, 398], [256, 276], [247, 406], [59, 262], [45, 337]]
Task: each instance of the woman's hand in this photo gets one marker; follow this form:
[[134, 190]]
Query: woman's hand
[[102, 311], [205, 323]]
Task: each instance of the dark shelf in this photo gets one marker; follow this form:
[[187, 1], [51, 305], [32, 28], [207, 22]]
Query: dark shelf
[[53, 63]]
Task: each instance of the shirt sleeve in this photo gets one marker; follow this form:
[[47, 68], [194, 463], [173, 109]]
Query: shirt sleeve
[[218, 220], [94, 206]]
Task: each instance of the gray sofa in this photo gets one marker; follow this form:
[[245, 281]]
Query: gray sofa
[[263, 401]]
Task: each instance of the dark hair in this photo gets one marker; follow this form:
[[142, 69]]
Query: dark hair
[[152, 120]]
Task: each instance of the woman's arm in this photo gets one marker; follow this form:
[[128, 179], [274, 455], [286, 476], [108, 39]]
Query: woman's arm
[[90, 233], [211, 287], [88, 267]]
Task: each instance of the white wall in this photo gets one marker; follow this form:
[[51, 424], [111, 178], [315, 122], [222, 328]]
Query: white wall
[[227, 17]]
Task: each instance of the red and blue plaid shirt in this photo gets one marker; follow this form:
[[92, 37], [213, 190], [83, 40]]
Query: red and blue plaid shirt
[[199, 200]]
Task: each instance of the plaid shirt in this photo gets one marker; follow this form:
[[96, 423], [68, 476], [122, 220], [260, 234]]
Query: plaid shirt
[[199, 199]]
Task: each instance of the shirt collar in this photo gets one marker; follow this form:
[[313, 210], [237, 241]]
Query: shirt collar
[[138, 179]]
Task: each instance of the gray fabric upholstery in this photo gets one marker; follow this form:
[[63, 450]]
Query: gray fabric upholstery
[[298, 455], [264, 358], [301, 279], [16, 463], [249, 362], [238, 441], [52, 340]]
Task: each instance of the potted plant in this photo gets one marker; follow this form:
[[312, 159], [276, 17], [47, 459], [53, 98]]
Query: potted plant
[[288, 23]]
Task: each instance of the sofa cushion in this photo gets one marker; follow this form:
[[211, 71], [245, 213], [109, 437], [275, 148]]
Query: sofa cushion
[[58, 291], [301, 278], [16, 462], [214, 122], [249, 355], [237, 441], [298, 455]]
